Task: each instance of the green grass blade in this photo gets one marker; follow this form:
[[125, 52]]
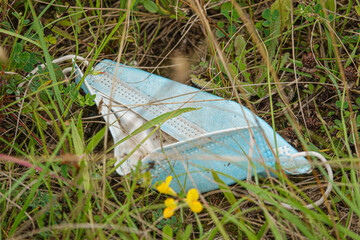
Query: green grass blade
[[47, 56], [224, 188], [20, 36]]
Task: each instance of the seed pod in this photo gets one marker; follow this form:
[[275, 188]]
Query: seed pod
[[308, 60]]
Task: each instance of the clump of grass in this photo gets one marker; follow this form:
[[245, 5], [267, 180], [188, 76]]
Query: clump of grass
[[293, 63]]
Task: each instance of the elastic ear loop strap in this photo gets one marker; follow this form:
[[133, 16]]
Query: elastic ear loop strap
[[329, 185], [57, 60], [115, 128]]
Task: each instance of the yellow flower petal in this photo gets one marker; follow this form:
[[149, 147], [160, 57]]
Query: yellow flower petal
[[192, 200], [168, 180], [171, 203], [164, 187], [196, 206], [171, 192], [192, 195], [168, 212]]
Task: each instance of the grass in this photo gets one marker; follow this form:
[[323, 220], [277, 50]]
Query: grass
[[294, 63]]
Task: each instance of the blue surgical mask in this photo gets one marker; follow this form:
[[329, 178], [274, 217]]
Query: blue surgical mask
[[222, 135]]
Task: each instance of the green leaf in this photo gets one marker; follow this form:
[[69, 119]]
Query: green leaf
[[318, 8], [231, 29], [266, 24], [90, 101], [331, 113], [284, 59], [240, 45], [310, 19], [221, 24], [40, 32], [248, 87], [160, 119], [33, 59], [77, 141], [28, 67], [266, 31], [311, 87], [184, 235], [20, 215], [284, 7], [357, 9], [64, 170], [79, 126], [339, 103], [235, 15], [358, 101], [11, 33], [219, 33], [298, 72], [259, 25], [225, 8], [266, 14], [150, 6], [224, 188], [301, 7], [331, 5], [65, 23], [202, 83], [229, 12], [94, 141], [275, 15], [204, 64], [18, 48], [262, 230], [167, 233], [240, 50], [163, 10], [188, 231], [52, 40], [233, 70], [24, 57], [63, 33]]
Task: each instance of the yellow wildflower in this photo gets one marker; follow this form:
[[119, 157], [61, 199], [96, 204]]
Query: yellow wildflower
[[171, 206], [165, 187], [192, 200]]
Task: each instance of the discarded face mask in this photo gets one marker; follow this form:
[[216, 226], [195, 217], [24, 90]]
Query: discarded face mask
[[221, 135]]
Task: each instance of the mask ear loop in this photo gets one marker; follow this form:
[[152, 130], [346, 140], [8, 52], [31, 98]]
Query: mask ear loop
[[116, 129], [329, 185], [330, 175], [34, 71], [57, 60]]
